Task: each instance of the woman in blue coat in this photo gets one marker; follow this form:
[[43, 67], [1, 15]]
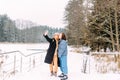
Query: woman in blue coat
[[62, 54]]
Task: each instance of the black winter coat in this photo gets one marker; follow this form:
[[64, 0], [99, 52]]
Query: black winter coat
[[51, 50]]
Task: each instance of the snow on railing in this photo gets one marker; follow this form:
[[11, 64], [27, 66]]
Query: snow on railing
[[86, 59], [16, 61]]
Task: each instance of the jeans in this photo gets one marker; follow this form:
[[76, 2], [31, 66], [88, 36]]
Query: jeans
[[63, 64]]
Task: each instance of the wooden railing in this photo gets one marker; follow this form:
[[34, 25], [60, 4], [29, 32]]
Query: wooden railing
[[101, 62], [106, 62], [16, 61]]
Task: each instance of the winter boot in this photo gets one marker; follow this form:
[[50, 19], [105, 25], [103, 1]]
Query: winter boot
[[61, 75], [65, 77], [51, 73], [55, 74]]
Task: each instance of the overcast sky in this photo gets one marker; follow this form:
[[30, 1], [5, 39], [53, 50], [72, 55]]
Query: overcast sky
[[43, 12]]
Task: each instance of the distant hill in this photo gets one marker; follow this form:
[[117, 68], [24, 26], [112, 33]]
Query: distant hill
[[22, 31], [35, 34]]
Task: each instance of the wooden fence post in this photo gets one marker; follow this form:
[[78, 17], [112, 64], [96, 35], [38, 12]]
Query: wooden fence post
[[30, 63], [14, 63], [21, 62], [34, 62]]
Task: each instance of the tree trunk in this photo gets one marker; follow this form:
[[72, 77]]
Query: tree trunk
[[111, 30], [116, 25]]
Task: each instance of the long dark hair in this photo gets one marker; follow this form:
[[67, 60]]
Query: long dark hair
[[63, 36]]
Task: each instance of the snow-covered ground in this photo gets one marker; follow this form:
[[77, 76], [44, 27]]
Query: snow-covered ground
[[41, 72]]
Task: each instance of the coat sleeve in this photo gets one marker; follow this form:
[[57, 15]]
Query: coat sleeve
[[62, 48], [47, 38]]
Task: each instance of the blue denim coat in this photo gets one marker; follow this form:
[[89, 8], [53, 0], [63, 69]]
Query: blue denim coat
[[62, 48]]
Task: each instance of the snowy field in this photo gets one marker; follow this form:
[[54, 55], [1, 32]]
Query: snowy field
[[41, 70]]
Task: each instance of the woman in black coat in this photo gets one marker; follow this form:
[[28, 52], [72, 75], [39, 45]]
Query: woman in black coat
[[52, 56], [51, 49]]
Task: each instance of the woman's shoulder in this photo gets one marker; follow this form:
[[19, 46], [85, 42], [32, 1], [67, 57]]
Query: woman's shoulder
[[63, 41]]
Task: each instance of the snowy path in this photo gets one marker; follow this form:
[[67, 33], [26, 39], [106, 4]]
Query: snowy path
[[74, 64], [41, 72]]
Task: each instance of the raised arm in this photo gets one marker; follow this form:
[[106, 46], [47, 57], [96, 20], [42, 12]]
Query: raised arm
[[47, 38]]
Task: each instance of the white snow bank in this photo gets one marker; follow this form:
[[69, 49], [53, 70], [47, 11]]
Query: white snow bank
[[75, 60]]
